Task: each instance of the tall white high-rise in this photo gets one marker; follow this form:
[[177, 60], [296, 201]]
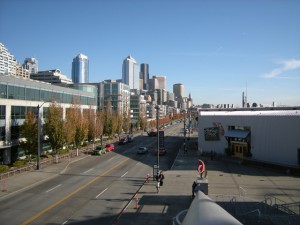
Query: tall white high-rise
[[80, 69], [9, 65], [31, 64], [129, 75]]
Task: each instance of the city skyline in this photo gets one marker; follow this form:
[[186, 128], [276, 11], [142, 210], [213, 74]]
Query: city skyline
[[217, 49]]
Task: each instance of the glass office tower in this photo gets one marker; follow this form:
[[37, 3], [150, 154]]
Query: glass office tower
[[144, 75], [80, 69], [129, 72]]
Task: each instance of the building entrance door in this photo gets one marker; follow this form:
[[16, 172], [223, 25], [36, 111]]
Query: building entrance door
[[239, 149]]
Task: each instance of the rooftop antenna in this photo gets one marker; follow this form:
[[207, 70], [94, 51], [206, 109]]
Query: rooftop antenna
[[246, 95]]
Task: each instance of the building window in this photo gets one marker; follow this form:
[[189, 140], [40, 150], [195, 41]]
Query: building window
[[2, 133], [2, 112], [18, 112], [3, 91]]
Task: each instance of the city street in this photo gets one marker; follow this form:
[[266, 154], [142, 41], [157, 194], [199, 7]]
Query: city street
[[94, 188]]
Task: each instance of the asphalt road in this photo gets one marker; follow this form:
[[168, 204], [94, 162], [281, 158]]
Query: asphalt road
[[93, 190]]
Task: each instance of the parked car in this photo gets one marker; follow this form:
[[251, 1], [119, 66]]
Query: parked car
[[162, 151], [109, 147], [100, 150], [142, 150], [152, 133], [130, 137], [123, 141]]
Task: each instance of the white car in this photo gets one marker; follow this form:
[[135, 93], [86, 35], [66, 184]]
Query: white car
[[142, 150]]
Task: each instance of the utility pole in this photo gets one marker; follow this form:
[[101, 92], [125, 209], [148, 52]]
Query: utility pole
[[184, 132], [157, 129]]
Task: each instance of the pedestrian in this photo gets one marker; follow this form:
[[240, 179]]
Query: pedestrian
[[211, 155], [193, 188], [157, 186], [161, 178]]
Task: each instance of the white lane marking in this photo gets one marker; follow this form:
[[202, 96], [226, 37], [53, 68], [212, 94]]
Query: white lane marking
[[124, 174], [111, 158], [101, 192], [88, 170], [137, 163], [53, 188]]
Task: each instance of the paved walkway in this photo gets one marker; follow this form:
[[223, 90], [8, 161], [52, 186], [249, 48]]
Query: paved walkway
[[227, 180]]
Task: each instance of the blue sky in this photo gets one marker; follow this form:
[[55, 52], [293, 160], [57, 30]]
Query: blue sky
[[216, 48]]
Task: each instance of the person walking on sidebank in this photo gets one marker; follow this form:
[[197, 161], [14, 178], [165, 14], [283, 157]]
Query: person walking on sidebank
[[159, 179]]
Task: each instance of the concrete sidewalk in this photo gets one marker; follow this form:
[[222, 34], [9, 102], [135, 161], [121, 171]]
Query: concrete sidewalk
[[227, 179]]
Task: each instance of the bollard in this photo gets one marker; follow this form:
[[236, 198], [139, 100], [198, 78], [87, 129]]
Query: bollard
[[136, 202], [4, 187]]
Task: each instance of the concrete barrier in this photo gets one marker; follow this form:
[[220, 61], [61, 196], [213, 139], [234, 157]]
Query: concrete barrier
[[202, 185], [204, 210]]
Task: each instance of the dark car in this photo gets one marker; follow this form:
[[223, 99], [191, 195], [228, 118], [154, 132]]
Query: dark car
[[130, 138], [162, 151], [123, 141], [109, 147]]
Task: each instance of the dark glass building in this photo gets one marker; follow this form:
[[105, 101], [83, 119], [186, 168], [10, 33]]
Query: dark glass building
[[144, 75], [80, 69]]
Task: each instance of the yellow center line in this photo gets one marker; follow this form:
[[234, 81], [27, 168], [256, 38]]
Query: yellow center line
[[34, 217]]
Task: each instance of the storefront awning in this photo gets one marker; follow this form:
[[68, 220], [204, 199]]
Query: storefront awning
[[237, 133]]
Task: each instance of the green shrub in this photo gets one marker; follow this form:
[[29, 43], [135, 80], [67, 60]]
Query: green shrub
[[19, 163], [62, 151], [3, 168]]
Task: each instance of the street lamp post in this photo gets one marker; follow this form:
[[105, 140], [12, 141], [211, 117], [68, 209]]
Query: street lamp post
[[157, 117], [184, 132], [39, 137]]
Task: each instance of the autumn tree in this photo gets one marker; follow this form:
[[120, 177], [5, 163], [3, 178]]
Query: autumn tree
[[142, 121], [126, 122], [91, 119], [76, 125], [117, 123], [29, 131], [54, 127], [70, 126], [107, 114], [81, 130], [99, 124]]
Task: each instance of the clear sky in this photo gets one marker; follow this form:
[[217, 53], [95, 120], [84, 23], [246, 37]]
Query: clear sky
[[216, 48]]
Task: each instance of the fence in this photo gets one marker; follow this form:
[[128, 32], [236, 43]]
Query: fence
[[43, 163]]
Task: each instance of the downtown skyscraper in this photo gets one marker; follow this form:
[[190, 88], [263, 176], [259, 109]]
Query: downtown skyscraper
[[129, 76], [80, 69], [144, 76]]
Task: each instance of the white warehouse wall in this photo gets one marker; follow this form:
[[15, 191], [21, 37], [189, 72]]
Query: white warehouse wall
[[275, 135]]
